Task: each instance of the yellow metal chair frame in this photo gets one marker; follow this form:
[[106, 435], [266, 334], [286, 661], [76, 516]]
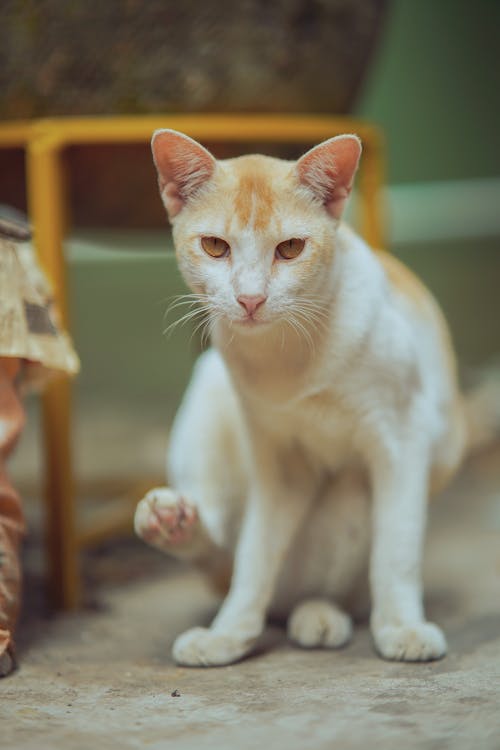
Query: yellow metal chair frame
[[45, 142]]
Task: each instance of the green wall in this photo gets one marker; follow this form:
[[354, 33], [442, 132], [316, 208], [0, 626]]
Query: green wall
[[435, 89]]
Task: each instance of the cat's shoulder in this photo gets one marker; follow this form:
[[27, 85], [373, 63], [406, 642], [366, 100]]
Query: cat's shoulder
[[420, 301], [406, 284]]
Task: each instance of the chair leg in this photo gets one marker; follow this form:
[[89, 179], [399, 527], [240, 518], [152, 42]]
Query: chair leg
[[370, 184], [47, 200], [61, 533]]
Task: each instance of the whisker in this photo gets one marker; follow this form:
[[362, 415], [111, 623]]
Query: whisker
[[310, 317], [204, 321], [186, 299], [176, 306], [206, 333], [227, 343], [211, 314], [311, 311], [300, 328], [311, 301], [206, 326], [312, 306], [181, 300], [189, 316], [211, 325]]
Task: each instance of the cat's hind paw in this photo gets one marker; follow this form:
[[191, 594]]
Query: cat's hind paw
[[422, 641], [203, 647], [318, 623], [164, 519]]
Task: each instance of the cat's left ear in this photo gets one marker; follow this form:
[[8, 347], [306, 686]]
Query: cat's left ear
[[328, 171], [183, 167]]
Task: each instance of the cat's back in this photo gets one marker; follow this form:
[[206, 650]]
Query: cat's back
[[405, 283], [419, 301]]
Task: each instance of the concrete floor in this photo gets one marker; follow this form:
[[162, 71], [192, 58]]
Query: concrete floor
[[104, 678]]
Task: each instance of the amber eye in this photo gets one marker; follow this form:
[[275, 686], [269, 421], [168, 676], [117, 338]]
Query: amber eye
[[290, 249], [215, 247]]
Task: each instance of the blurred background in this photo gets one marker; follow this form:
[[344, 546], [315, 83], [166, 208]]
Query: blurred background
[[427, 73]]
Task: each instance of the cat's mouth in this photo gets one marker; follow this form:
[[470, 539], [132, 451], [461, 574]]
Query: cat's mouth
[[250, 322]]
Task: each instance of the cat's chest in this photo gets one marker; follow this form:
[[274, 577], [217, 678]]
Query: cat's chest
[[321, 424], [295, 402], [274, 384]]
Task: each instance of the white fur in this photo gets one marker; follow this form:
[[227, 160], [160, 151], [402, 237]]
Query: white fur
[[307, 450]]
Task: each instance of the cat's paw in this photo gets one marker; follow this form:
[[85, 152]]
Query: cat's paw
[[202, 647], [164, 519], [422, 641], [317, 623]]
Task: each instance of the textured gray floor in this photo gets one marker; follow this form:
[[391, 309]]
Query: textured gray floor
[[103, 678]]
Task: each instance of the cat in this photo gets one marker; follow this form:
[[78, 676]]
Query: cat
[[314, 430]]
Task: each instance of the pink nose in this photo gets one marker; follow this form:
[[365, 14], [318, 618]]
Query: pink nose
[[251, 302]]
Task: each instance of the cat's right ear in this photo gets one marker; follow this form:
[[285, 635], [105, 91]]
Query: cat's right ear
[[183, 166], [328, 171]]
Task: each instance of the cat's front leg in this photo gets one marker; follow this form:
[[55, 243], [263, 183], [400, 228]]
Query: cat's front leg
[[400, 494], [273, 514]]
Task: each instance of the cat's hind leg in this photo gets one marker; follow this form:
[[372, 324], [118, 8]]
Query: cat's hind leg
[[318, 623], [336, 544]]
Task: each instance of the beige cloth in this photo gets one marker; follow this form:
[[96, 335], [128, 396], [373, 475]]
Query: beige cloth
[[32, 346], [11, 514], [28, 321]]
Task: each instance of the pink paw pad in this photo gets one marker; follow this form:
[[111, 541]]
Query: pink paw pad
[[164, 518], [174, 522]]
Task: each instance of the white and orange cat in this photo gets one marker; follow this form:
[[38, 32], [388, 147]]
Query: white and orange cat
[[316, 427]]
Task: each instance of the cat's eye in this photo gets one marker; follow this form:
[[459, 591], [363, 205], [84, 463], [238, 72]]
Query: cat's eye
[[290, 249], [215, 247]]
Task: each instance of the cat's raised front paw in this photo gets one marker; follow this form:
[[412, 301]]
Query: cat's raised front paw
[[202, 647], [422, 641], [165, 519], [318, 623]]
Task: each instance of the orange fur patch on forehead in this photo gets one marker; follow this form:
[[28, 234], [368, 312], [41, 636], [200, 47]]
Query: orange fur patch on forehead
[[254, 200]]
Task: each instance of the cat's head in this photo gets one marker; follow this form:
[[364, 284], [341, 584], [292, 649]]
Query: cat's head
[[255, 235]]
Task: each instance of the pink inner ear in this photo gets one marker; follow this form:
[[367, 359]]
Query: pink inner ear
[[183, 166], [171, 198], [328, 171]]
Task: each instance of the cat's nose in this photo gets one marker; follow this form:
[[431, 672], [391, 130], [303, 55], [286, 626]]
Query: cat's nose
[[250, 302]]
